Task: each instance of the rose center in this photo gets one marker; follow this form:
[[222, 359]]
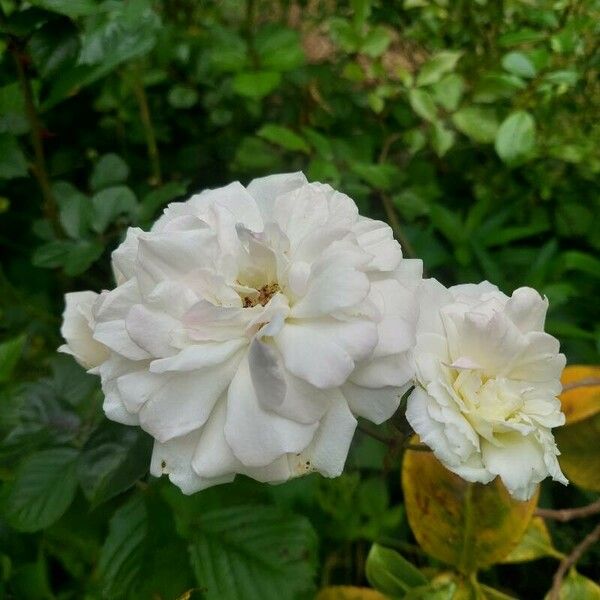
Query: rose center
[[262, 297]]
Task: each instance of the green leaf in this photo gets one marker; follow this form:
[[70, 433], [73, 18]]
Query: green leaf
[[284, 137], [12, 111], [519, 64], [448, 91], [159, 197], [422, 103], [54, 47], [82, 254], [577, 587], [75, 209], [69, 8], [12, 159], [109, 203], [573, 260], [390, 573], [535, 543], [436, 66], [122, 554], [10, 352], [515, 140], [113, 459], [442, 139], [379, 176], [376, 42], [43, 489], [182, 97], [480, 124], [279, 48], [254, 553], [256, 85], [110, 170]]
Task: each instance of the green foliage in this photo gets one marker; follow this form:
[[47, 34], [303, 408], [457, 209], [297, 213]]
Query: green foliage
[[476, 123]]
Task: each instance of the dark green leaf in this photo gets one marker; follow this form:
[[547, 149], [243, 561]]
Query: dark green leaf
[[43, 489], [74, 209], [12, 160], [109, 203], [70, 8], [182, 97], [122, 554], [254, 553], [110, 170], [284, 137], [10, 352]]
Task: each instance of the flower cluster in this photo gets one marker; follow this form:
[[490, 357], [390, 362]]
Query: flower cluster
[[250, 327]]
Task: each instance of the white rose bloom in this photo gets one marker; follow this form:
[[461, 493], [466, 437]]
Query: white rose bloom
[[250, 327], [487, 380]]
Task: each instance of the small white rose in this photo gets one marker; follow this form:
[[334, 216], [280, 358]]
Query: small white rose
[[77, 330], [251, 326], [487, 384]]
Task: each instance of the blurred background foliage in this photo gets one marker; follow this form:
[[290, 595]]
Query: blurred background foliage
[[472, 127]]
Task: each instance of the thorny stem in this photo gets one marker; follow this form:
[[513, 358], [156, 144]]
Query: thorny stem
[[569, 561], [146, 118], [568, 514], [39, 168]]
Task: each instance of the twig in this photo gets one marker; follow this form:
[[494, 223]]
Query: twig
[[587, 382], [146, 118], [568, 514], [39, 168], [570, 561]]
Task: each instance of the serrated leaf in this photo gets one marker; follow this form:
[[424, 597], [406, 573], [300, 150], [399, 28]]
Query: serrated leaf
[[43, 489], [110, 170], [448, 91], [122, 553], [480, 124], [284, 137], [436, 66], [254, 553], [515, 139], [422, 103], [467, 525], [390, 573], [75, 209], [113, 459]]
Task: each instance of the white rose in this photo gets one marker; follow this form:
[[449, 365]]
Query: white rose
[[251, 326], [77, 329], [487, 380]]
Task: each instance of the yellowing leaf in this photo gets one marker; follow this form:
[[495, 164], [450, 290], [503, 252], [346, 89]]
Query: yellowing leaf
[[535, 543], [463, 524], [348, 592], [581, 402], [580, 453]]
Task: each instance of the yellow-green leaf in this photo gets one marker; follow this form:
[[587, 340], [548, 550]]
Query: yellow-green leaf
[[348, 592], [578, 587], [467, 525], [535, 543], [581, 402], [580, 453]]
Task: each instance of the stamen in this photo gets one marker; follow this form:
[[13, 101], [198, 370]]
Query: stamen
[[265, 293]]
